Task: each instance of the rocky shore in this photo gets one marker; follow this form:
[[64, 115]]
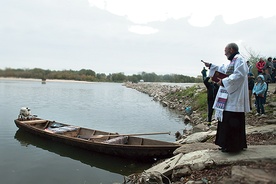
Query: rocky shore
[[198, 160], [176, 97]]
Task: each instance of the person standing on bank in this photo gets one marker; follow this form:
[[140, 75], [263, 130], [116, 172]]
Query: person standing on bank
[[204, 73], [251, 83], [260, 65], [259, 92], [267, 79], [232, 101], [250, 67], [269, 66], [212, 90]]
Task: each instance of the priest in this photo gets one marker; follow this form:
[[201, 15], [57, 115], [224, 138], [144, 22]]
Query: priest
[[232, 100]]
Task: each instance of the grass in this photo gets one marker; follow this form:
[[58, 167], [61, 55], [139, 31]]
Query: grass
[[191, 96]]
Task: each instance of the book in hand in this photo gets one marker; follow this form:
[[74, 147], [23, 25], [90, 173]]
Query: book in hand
[[218, 75]]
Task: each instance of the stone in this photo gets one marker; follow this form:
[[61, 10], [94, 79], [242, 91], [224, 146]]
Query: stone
[[270, 121], [180, 172], [199, 128], [164, 103], [261, 129], [197, 166], [187, 148], [272, 104], [243, 174], [209, 158], [187, 118], [213, 127], [198, 137], [178, 135]]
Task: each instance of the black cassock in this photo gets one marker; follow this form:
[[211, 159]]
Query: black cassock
[[231, 134]]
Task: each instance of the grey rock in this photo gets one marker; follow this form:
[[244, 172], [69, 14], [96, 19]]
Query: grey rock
[[243, 174]]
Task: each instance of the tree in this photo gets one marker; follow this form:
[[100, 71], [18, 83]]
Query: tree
[[87, 72], [253, 58], [118, 77], [101, 77]]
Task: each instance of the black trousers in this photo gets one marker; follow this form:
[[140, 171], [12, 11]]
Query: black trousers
[[231, 132], [210, 109]]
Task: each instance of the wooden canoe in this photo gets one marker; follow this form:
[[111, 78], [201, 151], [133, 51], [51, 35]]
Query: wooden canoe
[[131, 147]]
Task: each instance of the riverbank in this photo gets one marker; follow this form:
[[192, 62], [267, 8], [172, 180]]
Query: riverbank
[[178, 98], [199, 160]]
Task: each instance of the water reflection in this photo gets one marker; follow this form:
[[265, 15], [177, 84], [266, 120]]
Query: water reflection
[[112, 164]]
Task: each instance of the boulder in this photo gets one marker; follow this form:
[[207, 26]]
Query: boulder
[[243, 174], [200, 128], [187, 148], [197, 137], [270, 121]]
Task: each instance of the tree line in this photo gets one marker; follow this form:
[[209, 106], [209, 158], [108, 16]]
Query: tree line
[[92, 76]]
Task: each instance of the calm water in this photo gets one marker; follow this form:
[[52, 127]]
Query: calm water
[[110, 107]]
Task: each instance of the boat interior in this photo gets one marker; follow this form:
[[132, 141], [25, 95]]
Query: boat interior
[[90, 134]]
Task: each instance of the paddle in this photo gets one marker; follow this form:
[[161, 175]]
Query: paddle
[[116, 135]]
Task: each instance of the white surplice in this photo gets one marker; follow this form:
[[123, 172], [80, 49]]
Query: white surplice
[[236, 85]]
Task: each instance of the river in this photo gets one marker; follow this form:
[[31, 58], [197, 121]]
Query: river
[[110, 107]]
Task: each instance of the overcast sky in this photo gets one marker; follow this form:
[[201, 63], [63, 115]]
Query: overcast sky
[[131, 36]]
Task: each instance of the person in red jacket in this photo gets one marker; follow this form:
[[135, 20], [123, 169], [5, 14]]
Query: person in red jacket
[[260, 65]]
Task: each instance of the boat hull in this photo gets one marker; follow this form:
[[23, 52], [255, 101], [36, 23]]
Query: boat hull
[[155, 150]]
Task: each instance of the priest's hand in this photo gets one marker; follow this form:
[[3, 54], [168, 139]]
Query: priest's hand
[[206, 63], [220, 82]]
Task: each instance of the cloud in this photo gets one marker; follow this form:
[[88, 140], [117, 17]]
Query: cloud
[[200, 13], [128, 36]]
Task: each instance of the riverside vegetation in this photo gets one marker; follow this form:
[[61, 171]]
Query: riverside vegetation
[[178, 99], [91, 76]]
